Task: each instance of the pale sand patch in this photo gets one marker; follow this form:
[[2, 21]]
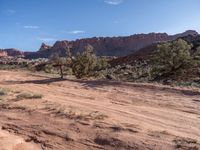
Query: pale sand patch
[[11, 142]]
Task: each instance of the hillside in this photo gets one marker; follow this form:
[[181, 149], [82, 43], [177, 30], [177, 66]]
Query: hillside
[[11, 52], [103, 46], [147, 52], [108, 46], [177, 62]]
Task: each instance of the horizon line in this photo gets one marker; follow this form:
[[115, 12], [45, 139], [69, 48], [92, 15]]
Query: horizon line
[[114, 36]]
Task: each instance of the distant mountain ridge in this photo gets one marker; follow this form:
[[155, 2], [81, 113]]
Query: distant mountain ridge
[[108, 46], [147, 52], [104, 46], [11, 52]]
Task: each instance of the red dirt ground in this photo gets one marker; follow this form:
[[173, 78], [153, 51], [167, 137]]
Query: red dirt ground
[[93, 115]]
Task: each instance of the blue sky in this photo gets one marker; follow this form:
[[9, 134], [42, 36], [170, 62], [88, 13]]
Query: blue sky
[[25, 24]]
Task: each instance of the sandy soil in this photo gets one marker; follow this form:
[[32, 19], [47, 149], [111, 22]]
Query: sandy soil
[[92, 115], [11, 142]]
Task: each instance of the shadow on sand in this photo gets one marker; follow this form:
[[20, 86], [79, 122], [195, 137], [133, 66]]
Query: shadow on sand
[[43, 81], [101, 83], [85, 83]]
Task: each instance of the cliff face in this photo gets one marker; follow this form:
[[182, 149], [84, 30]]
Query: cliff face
[[103, 46], [147, 52], [3, 54], [119, 46], [108, 46], [115, 46], [11, 52], [44, 47]]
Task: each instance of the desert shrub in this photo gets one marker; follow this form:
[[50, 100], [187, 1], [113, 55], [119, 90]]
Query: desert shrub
[[28, 96], [171, 58], [186, 84], [84, 63], [40, 66], [197, 54], [48, 68], [102, 63], [2, 92], [31, 67], [58, 62]]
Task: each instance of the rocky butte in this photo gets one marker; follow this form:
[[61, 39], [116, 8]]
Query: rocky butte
[[103, 46], [11, 52]]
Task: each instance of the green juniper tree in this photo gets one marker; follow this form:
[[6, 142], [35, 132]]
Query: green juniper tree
[[84, 63], [171, 58], [59, 62]]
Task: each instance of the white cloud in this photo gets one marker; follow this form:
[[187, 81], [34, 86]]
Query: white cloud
[[31, 27], [76, 32], [114, 2], [47, 39]]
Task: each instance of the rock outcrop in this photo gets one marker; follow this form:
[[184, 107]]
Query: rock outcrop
[[108, 46], [103, 46], [12, 52], [44, 47], [3, 54], [147, 52]]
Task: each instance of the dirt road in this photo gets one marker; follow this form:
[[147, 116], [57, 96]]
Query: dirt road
[[92, 115]]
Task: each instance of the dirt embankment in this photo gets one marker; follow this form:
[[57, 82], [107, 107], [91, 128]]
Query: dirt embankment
[[47, 113]]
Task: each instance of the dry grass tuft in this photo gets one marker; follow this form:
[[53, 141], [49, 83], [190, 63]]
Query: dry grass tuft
[[72, 113], [28, 96], [3, 92]]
